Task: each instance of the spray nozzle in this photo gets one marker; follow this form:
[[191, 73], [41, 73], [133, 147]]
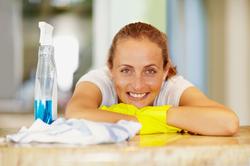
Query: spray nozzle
[[45, 33]]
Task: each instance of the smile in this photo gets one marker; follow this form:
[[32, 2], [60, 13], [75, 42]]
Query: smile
[[137, 95]]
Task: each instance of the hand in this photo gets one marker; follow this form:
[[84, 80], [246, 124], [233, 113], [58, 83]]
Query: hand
[[152, 118], [121, 108]]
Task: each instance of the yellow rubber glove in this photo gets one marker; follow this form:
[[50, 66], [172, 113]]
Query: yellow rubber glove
[[121, 108], [154, 120]]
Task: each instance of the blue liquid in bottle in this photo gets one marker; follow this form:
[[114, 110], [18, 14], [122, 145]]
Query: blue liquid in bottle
[[45, 104], [43, 110]]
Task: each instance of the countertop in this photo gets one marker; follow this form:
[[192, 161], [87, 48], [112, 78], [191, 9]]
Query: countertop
[[158, 149]]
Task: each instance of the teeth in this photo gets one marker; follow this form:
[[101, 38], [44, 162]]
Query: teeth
[[137, 95]]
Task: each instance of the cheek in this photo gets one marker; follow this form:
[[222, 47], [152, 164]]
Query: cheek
[[120, 84], [154, 83]]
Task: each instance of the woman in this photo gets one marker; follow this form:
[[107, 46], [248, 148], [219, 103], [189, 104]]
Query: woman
[[140, 73]]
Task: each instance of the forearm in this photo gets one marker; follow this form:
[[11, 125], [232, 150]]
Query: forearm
[[96, 114], [204, 120]]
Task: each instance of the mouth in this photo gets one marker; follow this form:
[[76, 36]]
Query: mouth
[[137, 96]]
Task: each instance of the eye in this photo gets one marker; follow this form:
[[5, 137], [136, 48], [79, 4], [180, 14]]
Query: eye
[[125, 71], [150, 71]]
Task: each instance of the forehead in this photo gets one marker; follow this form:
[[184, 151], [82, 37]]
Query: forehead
[[138, 51]]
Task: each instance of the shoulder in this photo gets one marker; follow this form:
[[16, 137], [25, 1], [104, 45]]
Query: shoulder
[[101, 78], [172, 89], [177, 79], [177, 83]]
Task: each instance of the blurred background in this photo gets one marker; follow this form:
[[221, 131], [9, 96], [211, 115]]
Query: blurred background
[[209, 43]]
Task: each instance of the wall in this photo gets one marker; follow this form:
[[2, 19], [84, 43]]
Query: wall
[[10, 55], [110, 15], [228, 55], [11, 48]]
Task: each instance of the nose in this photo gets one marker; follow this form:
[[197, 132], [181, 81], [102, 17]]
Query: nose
[[138, 83]]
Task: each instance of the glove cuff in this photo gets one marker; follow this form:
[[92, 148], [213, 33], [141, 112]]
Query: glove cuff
[[154, 120]]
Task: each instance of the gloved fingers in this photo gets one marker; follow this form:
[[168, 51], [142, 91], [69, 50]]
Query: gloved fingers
[[121, 108]]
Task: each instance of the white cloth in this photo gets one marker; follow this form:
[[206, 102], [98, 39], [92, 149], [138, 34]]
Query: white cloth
[[170, 92], [75, 131]]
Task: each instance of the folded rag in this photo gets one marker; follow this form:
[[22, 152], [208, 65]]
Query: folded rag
[[76, 131]]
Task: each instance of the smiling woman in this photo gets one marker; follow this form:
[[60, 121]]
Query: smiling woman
[[140, 74]]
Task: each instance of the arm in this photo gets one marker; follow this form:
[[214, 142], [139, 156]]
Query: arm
[[201, 115], [85, 103]]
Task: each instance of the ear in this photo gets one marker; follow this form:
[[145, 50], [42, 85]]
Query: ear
[[166, 70], [110, 72], [109, 66]]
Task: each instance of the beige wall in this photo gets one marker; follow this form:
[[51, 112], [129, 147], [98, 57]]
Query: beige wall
[[10, 49], [228, 54], [216, 52]]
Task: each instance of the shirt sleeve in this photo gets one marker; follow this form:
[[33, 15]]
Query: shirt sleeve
[[101, 78], [172, 90]]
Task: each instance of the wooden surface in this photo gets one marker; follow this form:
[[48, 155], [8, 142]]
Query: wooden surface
[[160, 149]]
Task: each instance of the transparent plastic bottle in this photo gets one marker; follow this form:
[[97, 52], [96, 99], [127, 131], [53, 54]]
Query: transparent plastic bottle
[[45, 104]]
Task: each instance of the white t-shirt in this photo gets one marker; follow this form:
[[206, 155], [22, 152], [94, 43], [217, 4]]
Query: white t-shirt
[[170, 92]]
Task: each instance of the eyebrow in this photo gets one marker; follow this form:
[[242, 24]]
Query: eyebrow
[[122, 65], [150, 65]]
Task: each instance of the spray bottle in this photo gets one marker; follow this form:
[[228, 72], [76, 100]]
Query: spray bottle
[[45, 104]]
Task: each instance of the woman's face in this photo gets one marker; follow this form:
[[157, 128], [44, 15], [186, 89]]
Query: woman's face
[[138, 71]]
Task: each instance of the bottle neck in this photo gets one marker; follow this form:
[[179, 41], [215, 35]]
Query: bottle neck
[[46, 51], [46, 59]]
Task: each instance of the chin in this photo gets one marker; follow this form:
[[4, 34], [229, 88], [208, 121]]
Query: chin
[[140, 105]]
